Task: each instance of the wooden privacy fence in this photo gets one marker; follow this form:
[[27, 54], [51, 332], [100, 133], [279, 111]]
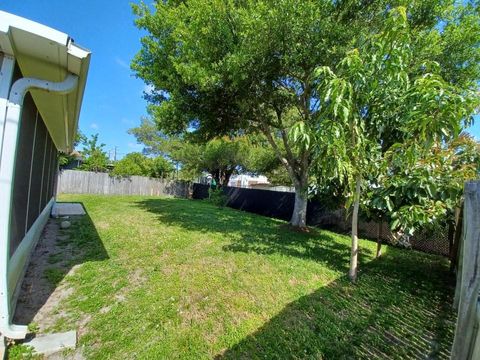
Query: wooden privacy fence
[[86, 182], [466, 345]]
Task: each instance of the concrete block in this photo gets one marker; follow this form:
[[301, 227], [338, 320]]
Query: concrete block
[[65, 209], [52, 343]]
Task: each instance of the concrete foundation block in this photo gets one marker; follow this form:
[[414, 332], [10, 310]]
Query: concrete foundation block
[[52, 343]]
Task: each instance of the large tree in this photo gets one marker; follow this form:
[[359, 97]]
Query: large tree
[[222, 67], [153, 140], [221, 156]]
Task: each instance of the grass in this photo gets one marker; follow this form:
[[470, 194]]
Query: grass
[[54, 276], [173, 278]]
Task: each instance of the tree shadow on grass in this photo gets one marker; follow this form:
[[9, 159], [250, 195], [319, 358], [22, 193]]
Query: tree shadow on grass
[[399, 309], [250, 233], [56, 253]]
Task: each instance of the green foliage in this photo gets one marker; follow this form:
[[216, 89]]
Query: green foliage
[[358, 95], [65, 159], [217, 197], [221, 156], [22, 352], [140, 165], [132, 164], [311, 73], [223, 68], [33, 328], [262, 160], [150, 137], [161, 167], [388, 114], [421, 187], [54, 275], [94, 156]]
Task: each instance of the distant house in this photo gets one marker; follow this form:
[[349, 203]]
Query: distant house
[[282, 188], [42, 80], [256, 182], [246, 181], [75, 160]]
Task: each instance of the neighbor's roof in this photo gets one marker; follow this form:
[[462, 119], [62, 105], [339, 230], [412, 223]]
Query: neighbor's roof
[[44, 53]]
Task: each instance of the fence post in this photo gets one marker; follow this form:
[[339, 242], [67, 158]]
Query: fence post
[[468, 286]]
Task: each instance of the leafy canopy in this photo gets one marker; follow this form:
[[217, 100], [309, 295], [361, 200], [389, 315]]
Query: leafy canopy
[[141, 165], [94, 156]]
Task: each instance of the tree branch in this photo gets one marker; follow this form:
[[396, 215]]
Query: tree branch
[[284, 161], [288, 150]]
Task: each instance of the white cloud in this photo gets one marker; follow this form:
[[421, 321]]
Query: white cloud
[[122, 63], [94, 126]]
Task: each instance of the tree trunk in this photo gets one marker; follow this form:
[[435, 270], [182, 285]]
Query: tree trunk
[[216, 175], [379, 239], [299, 215], [298, 171], [227, 175], [352, 274]]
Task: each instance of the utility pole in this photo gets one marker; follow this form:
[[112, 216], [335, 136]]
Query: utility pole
[[115, 154]]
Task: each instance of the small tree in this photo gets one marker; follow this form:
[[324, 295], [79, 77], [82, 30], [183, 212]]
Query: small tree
[[376, 98], [95, 157]]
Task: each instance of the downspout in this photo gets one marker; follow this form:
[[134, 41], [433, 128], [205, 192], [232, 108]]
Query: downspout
[[7, 168]]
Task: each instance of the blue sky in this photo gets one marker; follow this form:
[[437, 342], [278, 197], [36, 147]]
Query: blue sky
[[113, 100]]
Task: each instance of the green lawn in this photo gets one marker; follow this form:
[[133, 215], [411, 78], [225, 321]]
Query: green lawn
[[168, 278]]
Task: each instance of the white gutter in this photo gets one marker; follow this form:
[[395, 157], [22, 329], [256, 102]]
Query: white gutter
[[7, 168], [6, 73]]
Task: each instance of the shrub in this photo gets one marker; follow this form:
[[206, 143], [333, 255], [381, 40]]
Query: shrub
[[217, 197]]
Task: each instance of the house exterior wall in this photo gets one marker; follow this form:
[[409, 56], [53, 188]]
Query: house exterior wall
[[33, 178], [54, 71], [35, 170]]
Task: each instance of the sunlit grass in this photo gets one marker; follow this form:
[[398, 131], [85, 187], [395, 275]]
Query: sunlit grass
[[174, 278]]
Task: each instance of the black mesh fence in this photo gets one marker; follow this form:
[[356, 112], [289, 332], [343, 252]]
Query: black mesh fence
[[279, 205]]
